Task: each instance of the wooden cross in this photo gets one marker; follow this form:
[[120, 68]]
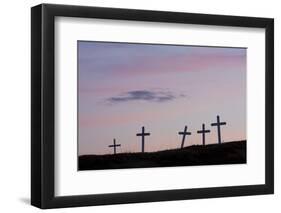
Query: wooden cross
[[114, 145], [142, 134], [184, 133], [203, 131], [218, 124]]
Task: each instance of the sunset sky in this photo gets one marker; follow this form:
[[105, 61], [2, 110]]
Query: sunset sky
[[124, 86]]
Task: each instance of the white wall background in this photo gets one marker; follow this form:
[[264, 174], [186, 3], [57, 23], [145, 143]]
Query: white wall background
[[15, 105]]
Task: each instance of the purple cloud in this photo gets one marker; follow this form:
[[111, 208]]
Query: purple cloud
[[144, 95]]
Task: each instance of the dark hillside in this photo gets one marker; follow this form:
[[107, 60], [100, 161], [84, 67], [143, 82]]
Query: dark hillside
[[213, 154]]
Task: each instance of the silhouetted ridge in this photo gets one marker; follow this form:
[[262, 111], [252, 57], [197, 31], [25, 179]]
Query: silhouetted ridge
[[211, 154]]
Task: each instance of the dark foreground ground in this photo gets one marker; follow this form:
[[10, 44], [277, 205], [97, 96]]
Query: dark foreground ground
[[213, 154]]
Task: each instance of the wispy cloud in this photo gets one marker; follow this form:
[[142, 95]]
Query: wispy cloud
[[144, 95]]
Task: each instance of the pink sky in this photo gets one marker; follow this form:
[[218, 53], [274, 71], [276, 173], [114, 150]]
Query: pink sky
[[125, 86]]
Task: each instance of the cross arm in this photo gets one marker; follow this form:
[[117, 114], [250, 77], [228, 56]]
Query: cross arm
[[142, 134], [114, 145], [205, 131], [216, 124], [186, 133]]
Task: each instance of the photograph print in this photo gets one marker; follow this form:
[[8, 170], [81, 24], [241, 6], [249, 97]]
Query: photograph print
[[160, 105]]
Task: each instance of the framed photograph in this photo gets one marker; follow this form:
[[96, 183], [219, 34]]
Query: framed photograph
[[139, 106]]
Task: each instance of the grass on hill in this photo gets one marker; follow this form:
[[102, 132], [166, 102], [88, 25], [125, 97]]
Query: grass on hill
[[212, 154]]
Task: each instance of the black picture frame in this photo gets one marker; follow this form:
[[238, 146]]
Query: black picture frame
[[43, 102]]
